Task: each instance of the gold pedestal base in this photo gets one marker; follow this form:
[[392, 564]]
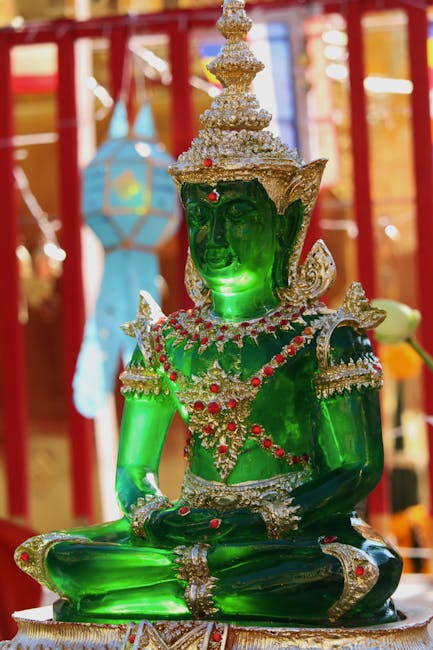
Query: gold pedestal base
[[37, 631]]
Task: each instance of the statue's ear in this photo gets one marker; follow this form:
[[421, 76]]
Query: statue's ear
[[288, 228]]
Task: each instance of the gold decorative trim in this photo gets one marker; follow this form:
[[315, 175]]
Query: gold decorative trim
[[307, 283], [141, 511], [360, 575], [365, 371], [280, 518], [412, 632], [142, 381], [195, 287], [148, 313], [193, 568], [30, 556], [196, 492]]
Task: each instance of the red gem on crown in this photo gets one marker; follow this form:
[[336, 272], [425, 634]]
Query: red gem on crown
[[207, 162], [213, 196]]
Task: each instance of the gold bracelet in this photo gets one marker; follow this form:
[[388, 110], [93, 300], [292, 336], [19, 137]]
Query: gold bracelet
[[142, 510]]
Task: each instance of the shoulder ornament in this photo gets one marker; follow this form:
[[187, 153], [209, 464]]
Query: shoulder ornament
[[365, 371], [142, 378]]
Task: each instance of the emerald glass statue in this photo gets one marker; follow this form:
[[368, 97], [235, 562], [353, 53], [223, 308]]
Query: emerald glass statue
[[280, 396]]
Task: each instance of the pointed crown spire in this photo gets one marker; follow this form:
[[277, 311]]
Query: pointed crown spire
[[234, 145]]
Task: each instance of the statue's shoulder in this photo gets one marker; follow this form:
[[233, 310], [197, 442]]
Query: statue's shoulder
[[141, 375], [344, 354]]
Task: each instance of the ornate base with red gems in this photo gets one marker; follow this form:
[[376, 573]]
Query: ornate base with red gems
[[36, 629]]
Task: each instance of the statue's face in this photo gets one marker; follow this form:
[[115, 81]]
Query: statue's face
[[231, 229]]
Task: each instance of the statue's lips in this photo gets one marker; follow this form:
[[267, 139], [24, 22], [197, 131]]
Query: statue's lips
[[217, 258]]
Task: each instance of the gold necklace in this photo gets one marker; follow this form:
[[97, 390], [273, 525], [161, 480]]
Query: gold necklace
[[219, 405]]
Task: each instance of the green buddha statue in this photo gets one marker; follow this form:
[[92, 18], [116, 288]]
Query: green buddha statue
[[280, 397]]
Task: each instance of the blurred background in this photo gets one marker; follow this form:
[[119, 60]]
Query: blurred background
[[350, 82]]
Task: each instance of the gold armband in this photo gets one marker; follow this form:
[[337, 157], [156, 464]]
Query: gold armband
[[141, 511], [142, 381], [365, 371]]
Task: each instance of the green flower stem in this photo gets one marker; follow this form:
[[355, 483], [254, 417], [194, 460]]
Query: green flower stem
[[428, 360]]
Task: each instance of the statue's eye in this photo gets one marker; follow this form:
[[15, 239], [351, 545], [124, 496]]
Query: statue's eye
[[196, 215], [239, 210]]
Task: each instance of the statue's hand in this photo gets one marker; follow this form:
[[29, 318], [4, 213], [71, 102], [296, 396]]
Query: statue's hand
[[142, 510], [180, 525], [280, 517]]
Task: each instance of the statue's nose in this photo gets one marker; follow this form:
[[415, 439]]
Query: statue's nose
[[218, 230]]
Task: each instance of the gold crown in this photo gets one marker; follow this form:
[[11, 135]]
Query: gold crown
[[233, 144]]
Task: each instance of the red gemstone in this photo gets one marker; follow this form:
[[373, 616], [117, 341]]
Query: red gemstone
[[224, 328], [198, 406], [295, 460], [222, 449], [280, 358], [173, 376], [172, 321], [213, 197], [271, 328], [208, 325], [291, 350], [167, 365], [215, 523], [207, 162], [236, 337], [163, 358], [359, 571], [204, 340], [216, 636], [188, 434], [329, 539], [25, 557], [256, 429], [158, 347], [184, 333], [262, 321], [214, 388], [254, 332], [256, 381], [184, 510], [267, 442], [245, 324], [178, 326], [277, 314], [198, 320], [131, 638], [308, 331], [231, 403], [298, 340], [213, 407], [207, 429], [221, 337], [279, 453], [377, 366], [232, 426], [283, 322], [305, 458], [268, 370], [195, 336]]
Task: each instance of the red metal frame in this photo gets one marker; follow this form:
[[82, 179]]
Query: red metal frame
[[177, 24]]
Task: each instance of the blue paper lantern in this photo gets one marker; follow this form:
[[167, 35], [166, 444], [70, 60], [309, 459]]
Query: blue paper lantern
[[130, 203]]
